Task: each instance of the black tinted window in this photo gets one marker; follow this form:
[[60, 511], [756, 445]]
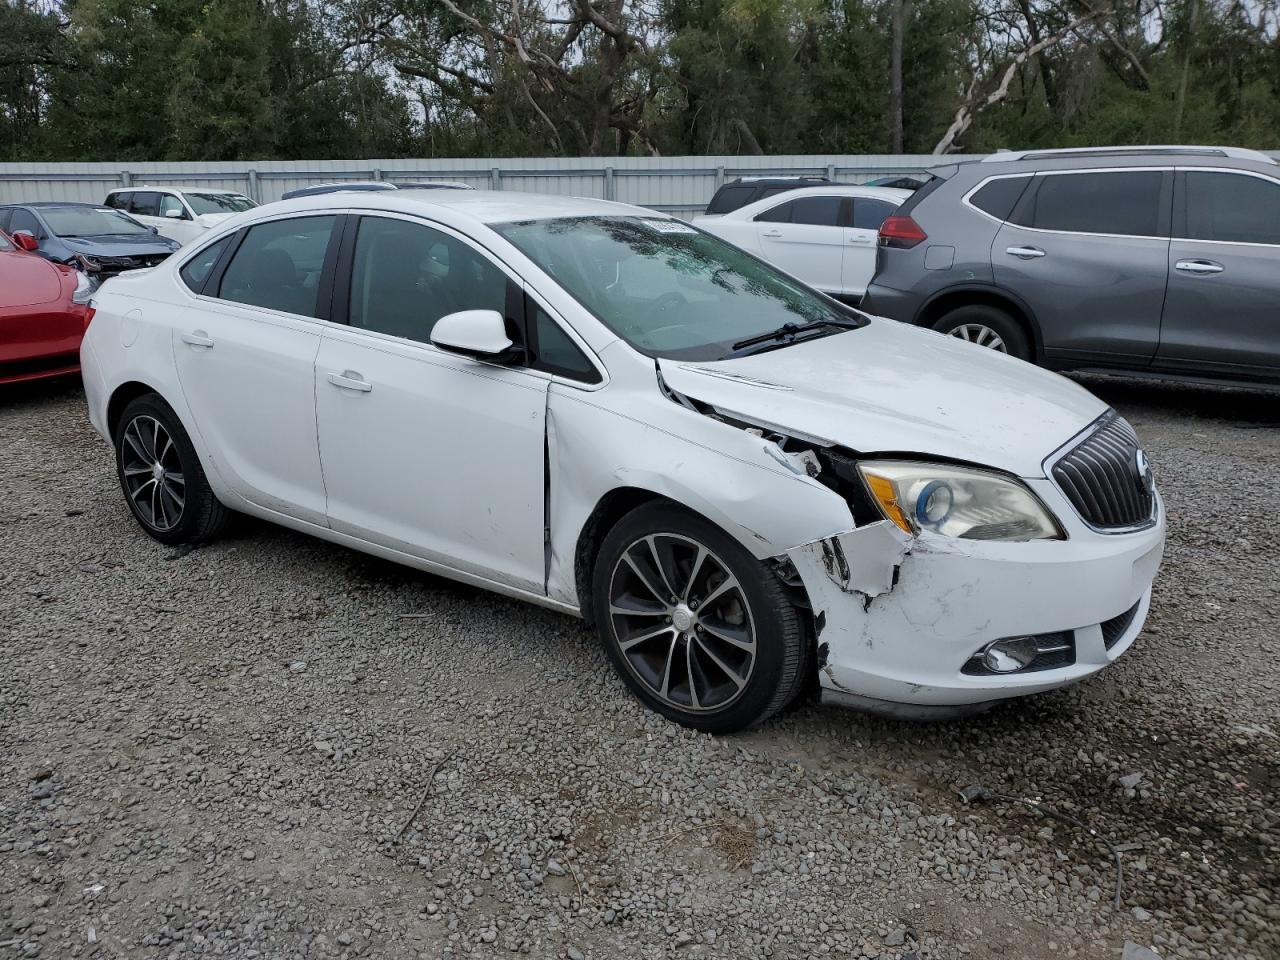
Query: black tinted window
[[772, 191], [869, 214], [998, 197], [406, 276], [1113, 203], [1232, 207], [728, 199], [816, 211], [779, 214], [145, 204], [278, 265], [119, 201], [557, 353], [196, 270]]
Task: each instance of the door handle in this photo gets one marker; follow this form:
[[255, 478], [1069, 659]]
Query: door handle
[[861, 240], [1025, 253], [198, 338], [350, 380], [1198, 267], [772, 233]]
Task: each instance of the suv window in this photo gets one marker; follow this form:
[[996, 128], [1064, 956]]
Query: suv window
[[868, 214], [278, 265], [169, 202], [145, 204], [1121, 202], [998, 197], [728, 199], [406, 276], [196, 270], [117, 201], [1231, 207]]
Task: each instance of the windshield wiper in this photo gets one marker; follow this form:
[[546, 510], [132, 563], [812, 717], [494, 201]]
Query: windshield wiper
[[790, 330]]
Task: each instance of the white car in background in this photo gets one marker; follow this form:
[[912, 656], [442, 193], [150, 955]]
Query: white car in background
[[177, 213], [825, 236]]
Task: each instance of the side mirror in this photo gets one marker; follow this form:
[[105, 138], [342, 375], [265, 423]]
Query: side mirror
[[26, 240], [173, 214], [153, 229], [479, 334]]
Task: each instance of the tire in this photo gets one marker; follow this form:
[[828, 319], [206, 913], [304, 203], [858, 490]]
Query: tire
[[731, 665], [173, 503], [966, 322]]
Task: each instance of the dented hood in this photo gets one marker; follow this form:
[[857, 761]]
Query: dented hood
[[889, 387]]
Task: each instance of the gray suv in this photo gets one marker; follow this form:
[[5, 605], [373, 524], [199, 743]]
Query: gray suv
[[1159, 260]]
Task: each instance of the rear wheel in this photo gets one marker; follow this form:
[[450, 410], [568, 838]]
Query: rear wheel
[[700, 630], [986, 326], [161, 476]]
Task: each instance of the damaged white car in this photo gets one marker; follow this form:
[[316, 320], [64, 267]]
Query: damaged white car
[[744, 485]]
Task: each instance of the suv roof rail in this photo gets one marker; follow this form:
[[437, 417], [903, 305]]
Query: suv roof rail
[[1236, 153], [756, 178]]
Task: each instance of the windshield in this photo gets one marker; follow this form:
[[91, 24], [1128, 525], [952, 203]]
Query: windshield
[[218, 203], [90, 222], [666, 288]]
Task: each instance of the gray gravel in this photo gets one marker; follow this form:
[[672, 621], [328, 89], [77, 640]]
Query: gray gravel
[[244, 750]]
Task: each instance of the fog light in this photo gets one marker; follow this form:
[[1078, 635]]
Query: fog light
[[1007, 656]]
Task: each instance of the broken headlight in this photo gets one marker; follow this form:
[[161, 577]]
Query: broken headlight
[[957, 501]]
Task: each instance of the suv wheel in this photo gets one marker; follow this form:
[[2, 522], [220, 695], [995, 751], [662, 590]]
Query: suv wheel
[[699, 629], [988, 327], [161, 476]]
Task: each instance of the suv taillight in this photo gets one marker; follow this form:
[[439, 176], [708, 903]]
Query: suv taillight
[[901, 232]]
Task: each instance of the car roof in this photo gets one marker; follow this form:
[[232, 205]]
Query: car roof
[[483, 206], [55, 204], [892, 194], [149, 188], [1112, 158]]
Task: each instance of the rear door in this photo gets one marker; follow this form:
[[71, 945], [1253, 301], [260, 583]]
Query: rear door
[[1088, 251], [859, 258], [805, 237], [1222, 311]]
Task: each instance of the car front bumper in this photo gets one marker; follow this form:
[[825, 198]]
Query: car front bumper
[[899, 618]]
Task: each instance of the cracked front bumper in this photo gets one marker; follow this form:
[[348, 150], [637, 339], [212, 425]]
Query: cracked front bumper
[[899, 617]]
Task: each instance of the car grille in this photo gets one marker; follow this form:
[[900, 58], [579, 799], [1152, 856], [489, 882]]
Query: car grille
[[1107, 479], [116, 264], [1114, 629]]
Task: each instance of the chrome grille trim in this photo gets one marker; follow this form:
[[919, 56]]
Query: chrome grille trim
[[1098, 473]]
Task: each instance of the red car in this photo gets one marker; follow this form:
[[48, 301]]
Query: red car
[[43, 315]]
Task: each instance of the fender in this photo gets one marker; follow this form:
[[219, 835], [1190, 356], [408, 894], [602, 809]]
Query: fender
[[989, 290]]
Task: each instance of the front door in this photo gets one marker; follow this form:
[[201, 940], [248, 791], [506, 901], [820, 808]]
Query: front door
[[434, 455], [175, 220], [804, 237], [245, 354], [1088, 252], [1222, 312]]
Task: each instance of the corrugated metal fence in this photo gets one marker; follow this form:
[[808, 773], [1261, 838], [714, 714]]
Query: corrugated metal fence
[[679, 185]]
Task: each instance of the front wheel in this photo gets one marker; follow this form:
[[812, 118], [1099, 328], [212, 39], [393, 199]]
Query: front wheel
[[700, 630], [161, 476], [986, 326]]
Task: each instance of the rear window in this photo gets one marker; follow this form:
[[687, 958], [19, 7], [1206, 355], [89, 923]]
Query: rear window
[[1120, 203], [999, 197], [816, 211]]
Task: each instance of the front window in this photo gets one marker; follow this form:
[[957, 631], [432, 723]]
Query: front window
[[91, 222], [202, 203], [4, 243], [670, 290]]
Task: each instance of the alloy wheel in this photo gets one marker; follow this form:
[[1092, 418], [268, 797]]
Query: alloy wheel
[[153, 475], [981, 335], [682, 622]]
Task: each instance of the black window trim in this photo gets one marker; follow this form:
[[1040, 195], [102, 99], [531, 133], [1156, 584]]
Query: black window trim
[[1179, 225], [517, 297]]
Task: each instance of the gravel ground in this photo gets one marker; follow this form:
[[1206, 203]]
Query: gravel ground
[[248, 750]]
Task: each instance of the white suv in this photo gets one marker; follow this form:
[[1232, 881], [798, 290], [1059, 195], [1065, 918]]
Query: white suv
[[179, 214]]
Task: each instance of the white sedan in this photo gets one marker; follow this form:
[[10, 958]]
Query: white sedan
[[825, 236], [744, 486]]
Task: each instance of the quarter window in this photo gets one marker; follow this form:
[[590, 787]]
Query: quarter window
[[555, 352], [1232, 208], [868, 214], [118, 201], [406, 276], [1125, 203], [998, 197], [278, 265], [196, 270]]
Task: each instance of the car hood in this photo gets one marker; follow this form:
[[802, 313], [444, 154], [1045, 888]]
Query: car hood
[[213, 219], [121, 246], [27, 280], [892, 388]]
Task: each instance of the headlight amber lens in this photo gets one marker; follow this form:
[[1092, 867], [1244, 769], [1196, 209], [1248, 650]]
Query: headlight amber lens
[[957, 502]]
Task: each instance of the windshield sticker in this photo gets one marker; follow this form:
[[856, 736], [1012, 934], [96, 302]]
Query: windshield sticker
[[668, 226]]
